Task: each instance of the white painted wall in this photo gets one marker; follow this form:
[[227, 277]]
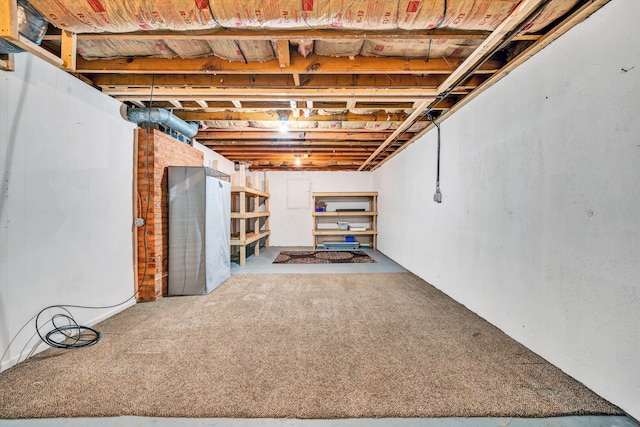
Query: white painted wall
[[66, 162], [292, 226], [211, 157], [539, 230]]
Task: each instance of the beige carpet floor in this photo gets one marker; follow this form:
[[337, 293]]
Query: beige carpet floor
[[297, 346]]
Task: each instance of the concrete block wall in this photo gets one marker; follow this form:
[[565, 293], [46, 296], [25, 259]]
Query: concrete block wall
[[156, 151]]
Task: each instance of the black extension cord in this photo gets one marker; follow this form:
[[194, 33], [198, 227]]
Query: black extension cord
[[72, 335]]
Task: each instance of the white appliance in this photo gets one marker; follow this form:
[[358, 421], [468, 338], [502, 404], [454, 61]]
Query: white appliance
[[199, 230]]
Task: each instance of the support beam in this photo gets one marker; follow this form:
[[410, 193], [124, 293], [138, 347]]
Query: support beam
[[265, 154], [407, 123], [571, 21], [38, 51], [175, 103], [9, 19], [320, 81], [380, 116], [201, 103], [284, 57], [295, 111], [275, 93], [236, 103], [523, 11], [7, 62], [9, 30], [300, 97], [289, 34], [312, 136], [312, 64], [223, 145], [261, 105], [68, 50]]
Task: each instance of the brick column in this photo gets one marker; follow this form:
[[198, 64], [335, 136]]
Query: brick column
[[156, 151]]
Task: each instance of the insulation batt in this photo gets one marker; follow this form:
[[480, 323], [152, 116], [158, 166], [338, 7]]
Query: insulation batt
[[93, 16], [89, 16], [121, 16]]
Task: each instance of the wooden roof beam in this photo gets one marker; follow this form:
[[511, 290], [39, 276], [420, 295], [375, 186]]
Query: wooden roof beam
[[282, 51], [351, 93], [380, 116], [68, 51], [287, 34], [224, 145], [300, 97], [293, 137], [7, 62], [569, 22], [343, 151], [525, 10], [431, 81], [407, 123], [9, 30], [312, 64]]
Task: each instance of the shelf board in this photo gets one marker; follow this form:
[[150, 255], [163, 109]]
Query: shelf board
[[344, 213], [336, 232], [249, 238], [347, 194], [247, 215], [249, 191]]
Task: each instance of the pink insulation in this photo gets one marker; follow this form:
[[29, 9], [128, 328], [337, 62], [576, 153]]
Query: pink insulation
[[120, 16], [117, 16], [439, 48], [87, 16]]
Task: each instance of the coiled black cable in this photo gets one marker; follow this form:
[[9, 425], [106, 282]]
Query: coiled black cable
[[73, 335]]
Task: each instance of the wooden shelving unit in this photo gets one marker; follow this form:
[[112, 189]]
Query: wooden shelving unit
[[249, 218], [325, 224]]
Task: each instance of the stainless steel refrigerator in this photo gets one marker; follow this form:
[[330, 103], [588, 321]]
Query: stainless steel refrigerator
[[199, 230]]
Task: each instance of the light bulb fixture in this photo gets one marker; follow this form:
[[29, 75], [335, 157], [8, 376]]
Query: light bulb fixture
[[297, 160], [283, 124]]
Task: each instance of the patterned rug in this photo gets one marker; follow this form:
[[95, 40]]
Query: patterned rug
[[322, 257]]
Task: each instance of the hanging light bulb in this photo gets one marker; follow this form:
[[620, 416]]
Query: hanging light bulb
[[297, 160], [283, 124]]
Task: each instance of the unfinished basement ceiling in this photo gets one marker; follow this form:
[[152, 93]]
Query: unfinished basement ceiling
[[355, 81]]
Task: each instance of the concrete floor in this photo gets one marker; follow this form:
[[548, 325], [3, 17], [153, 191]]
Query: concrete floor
[[263, 264]]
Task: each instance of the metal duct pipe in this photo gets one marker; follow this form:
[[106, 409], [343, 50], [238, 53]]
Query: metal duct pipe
[[160, 115]]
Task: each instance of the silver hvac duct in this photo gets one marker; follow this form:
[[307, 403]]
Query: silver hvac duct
[[160, 115]]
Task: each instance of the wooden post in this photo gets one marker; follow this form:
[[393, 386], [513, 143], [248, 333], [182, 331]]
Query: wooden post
[[9, 19], [7, 63], [266, 208], [69, 50]]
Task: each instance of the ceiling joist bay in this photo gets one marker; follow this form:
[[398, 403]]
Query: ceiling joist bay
[[352, 111]]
